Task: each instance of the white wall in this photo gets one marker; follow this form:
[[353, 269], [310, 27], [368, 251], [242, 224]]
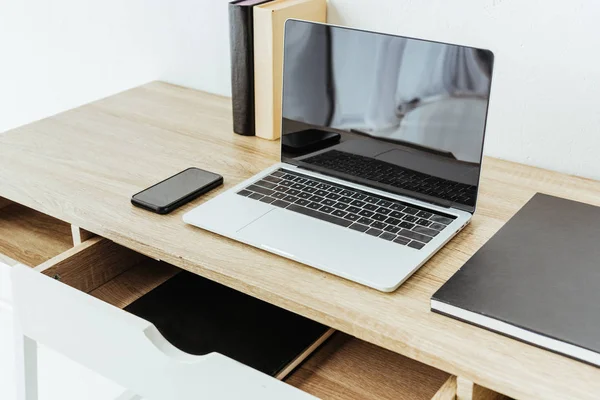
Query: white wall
[[56, 55]]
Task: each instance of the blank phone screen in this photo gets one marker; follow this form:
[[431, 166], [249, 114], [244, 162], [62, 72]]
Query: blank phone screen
[[177, 187]]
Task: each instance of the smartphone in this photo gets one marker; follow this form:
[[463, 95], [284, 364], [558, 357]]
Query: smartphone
[[177, 190]]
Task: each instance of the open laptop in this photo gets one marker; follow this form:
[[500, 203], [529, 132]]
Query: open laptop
[[382, 147]]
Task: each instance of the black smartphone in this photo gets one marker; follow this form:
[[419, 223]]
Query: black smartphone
[[177, 190]]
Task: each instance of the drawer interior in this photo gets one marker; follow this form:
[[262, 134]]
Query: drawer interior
[[30, 237], [344, 367]]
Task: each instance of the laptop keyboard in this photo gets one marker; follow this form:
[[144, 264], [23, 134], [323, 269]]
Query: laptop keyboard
[[387, 219], [394, 175]]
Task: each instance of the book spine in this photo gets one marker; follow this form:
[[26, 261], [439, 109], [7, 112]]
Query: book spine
[[242, 69]]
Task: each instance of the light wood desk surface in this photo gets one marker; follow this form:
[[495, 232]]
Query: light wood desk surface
[[82, 166]]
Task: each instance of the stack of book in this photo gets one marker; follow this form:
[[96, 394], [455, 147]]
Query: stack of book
[[256, 36]]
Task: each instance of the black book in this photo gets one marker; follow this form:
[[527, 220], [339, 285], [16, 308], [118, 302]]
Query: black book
[[200, 316], [537, 279], [241, 34]]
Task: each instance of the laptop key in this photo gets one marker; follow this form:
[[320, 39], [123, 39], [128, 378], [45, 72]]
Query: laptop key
[[359, 196], [256, 196], [272, 178], [406, 225], [384, 203], [393, 221], [314, 205], [309, 189], [286, 183], [401, 240], [353, 209], [424, 222], [391, 229], [244, 192], [347, 192], [302, 202], [345, 199], [410, 218], [371, 199], [383, 210], [328, 202], [268, 199], [415, 236], [265, 183], [397, 207], [333, 196], [335, 189], [297, 186], [316, 198], [319, 215], [365, 221], [387, 236], [425, 231], [304, 195], [321, 192], [410, 210], [280, 189], [340, 206], [312, 184], [323, 186], [352, 217], [358, 203], [374, 232], [397, 214], [291, 199], [359, 227], [424, 214], [379, 217], [416, 245], [280, 203], [261, 190], [378, 225], [278, 195], [326, 209], [277, 174], [293, 192], [437, 227], [366, 213], [339, 213], [370, 207], [441, 220]]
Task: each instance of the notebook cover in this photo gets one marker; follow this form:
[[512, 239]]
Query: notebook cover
[[540, 272], [269, 22], [242, 64], [200, 316]]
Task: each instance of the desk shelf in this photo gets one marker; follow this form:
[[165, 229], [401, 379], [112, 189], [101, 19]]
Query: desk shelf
[[30, 237]]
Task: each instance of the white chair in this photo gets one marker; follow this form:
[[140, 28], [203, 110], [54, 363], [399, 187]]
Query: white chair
[[122, 347]]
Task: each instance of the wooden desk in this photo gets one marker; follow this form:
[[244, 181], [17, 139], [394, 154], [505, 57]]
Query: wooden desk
[[82, 166]]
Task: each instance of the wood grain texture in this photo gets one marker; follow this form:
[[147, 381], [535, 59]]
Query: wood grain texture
[[135, 282], [80, 235], [467, 390], [90, 264], [82, 166], [349, 368], [30, 237], [447, 391]]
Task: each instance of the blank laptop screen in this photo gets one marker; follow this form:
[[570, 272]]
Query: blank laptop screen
[[399, 114]]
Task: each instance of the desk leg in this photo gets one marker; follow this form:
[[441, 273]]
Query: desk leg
[[26, 365], [467, 390], [80, 235]]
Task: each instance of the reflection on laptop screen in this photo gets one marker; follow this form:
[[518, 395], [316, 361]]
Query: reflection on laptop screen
[[410, 113]]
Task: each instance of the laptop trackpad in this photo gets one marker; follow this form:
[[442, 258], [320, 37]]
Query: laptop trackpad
[[326, 246]]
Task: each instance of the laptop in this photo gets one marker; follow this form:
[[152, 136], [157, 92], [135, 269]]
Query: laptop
[[382, 141]]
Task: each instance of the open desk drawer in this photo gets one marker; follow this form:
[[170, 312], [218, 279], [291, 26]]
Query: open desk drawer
[[79, 314]]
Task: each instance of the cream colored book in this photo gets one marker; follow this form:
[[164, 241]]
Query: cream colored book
[[269, 23]]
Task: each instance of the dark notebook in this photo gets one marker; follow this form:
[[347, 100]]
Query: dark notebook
[[242, 64], [537, 279], [200, 316]]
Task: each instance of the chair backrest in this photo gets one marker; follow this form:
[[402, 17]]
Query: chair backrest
[[129, 350]]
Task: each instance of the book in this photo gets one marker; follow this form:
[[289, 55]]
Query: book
[[200, 316], [242, 64], [537, 279], [269, 22]]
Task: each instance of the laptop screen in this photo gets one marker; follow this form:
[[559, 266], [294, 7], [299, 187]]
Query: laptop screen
[[402, 115]]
